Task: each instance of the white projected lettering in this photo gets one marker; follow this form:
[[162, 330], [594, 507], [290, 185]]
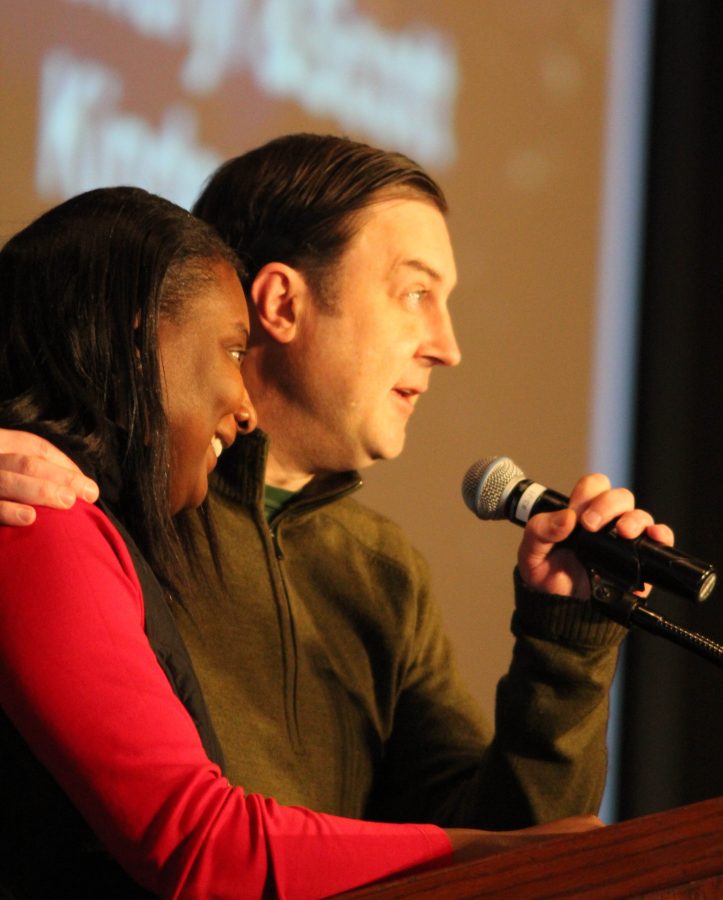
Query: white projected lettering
[[399, 88], [85, 140]]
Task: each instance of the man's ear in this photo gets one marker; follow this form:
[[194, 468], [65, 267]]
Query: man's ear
[[278, 294]]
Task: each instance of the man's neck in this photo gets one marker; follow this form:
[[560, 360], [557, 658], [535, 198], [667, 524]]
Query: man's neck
[[283, 475]]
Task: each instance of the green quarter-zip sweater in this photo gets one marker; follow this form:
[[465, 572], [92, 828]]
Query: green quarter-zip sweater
[[332, 684]]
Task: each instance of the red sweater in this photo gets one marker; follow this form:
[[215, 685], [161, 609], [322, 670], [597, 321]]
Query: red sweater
[[80, 682]]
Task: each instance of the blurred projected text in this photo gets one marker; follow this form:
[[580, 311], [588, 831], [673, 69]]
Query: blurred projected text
[[396, 88]]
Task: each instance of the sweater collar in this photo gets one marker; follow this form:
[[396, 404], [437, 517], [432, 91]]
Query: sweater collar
[[239, 475]]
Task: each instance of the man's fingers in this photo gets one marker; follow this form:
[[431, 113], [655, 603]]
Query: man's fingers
[[550, 528], [605, 507], [539, 567], [23, 443], [47, 478], [661, 533], [588, 488], [16, 514], [546, 566], [47, 485]]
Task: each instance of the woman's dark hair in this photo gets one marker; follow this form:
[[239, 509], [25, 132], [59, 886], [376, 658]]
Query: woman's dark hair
[[296, 200], [82, 289]]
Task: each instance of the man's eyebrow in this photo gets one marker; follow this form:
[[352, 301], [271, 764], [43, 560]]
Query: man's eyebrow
[[242, 328], [419, 266]]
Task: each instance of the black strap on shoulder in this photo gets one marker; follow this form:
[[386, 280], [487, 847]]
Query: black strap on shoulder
[[169, 647]]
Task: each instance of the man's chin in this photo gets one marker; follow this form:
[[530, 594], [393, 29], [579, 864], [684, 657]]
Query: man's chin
[[388, 451]]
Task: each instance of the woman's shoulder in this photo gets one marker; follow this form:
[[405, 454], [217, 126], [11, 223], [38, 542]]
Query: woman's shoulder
[[81, 519], [62, 541]]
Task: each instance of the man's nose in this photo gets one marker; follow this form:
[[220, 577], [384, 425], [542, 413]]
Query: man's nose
[[442, 345]]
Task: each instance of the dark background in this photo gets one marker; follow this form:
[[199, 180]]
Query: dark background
[[672, 746]]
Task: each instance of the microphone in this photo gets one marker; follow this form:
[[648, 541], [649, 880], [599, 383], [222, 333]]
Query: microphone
[[495, 488]]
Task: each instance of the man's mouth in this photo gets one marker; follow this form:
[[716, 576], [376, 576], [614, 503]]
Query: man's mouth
[[409, 394]]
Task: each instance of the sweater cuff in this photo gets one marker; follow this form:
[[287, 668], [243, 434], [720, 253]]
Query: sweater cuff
[[568, 620]]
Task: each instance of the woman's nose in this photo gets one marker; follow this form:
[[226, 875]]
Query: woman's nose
[[245, 416]]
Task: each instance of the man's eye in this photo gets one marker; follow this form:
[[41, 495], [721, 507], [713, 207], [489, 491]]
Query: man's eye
[[415, 297], [238, 355]]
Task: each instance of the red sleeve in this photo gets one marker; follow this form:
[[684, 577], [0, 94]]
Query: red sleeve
[[81, 683]]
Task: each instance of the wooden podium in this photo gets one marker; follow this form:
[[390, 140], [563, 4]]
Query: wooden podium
[[678, 853]]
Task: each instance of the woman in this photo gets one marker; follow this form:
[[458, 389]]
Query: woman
[[122, 330]]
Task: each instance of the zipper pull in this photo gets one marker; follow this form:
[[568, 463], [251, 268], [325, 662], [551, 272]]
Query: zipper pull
[[277, 548]]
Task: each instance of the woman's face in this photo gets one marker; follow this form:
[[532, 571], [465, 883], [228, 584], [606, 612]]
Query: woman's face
[[204, 392]]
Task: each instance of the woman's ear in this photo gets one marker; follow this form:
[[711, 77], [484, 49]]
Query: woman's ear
[[278, 294]]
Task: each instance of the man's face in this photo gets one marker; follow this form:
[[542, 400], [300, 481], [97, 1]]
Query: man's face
[[356, 375]]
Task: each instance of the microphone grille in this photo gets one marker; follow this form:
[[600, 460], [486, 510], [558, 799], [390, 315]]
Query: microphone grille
[[487, 484]]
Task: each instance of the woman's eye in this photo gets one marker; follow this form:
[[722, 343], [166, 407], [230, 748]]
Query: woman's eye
[[238, 355]]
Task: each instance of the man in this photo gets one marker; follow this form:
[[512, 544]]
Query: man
[[322, 657]]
